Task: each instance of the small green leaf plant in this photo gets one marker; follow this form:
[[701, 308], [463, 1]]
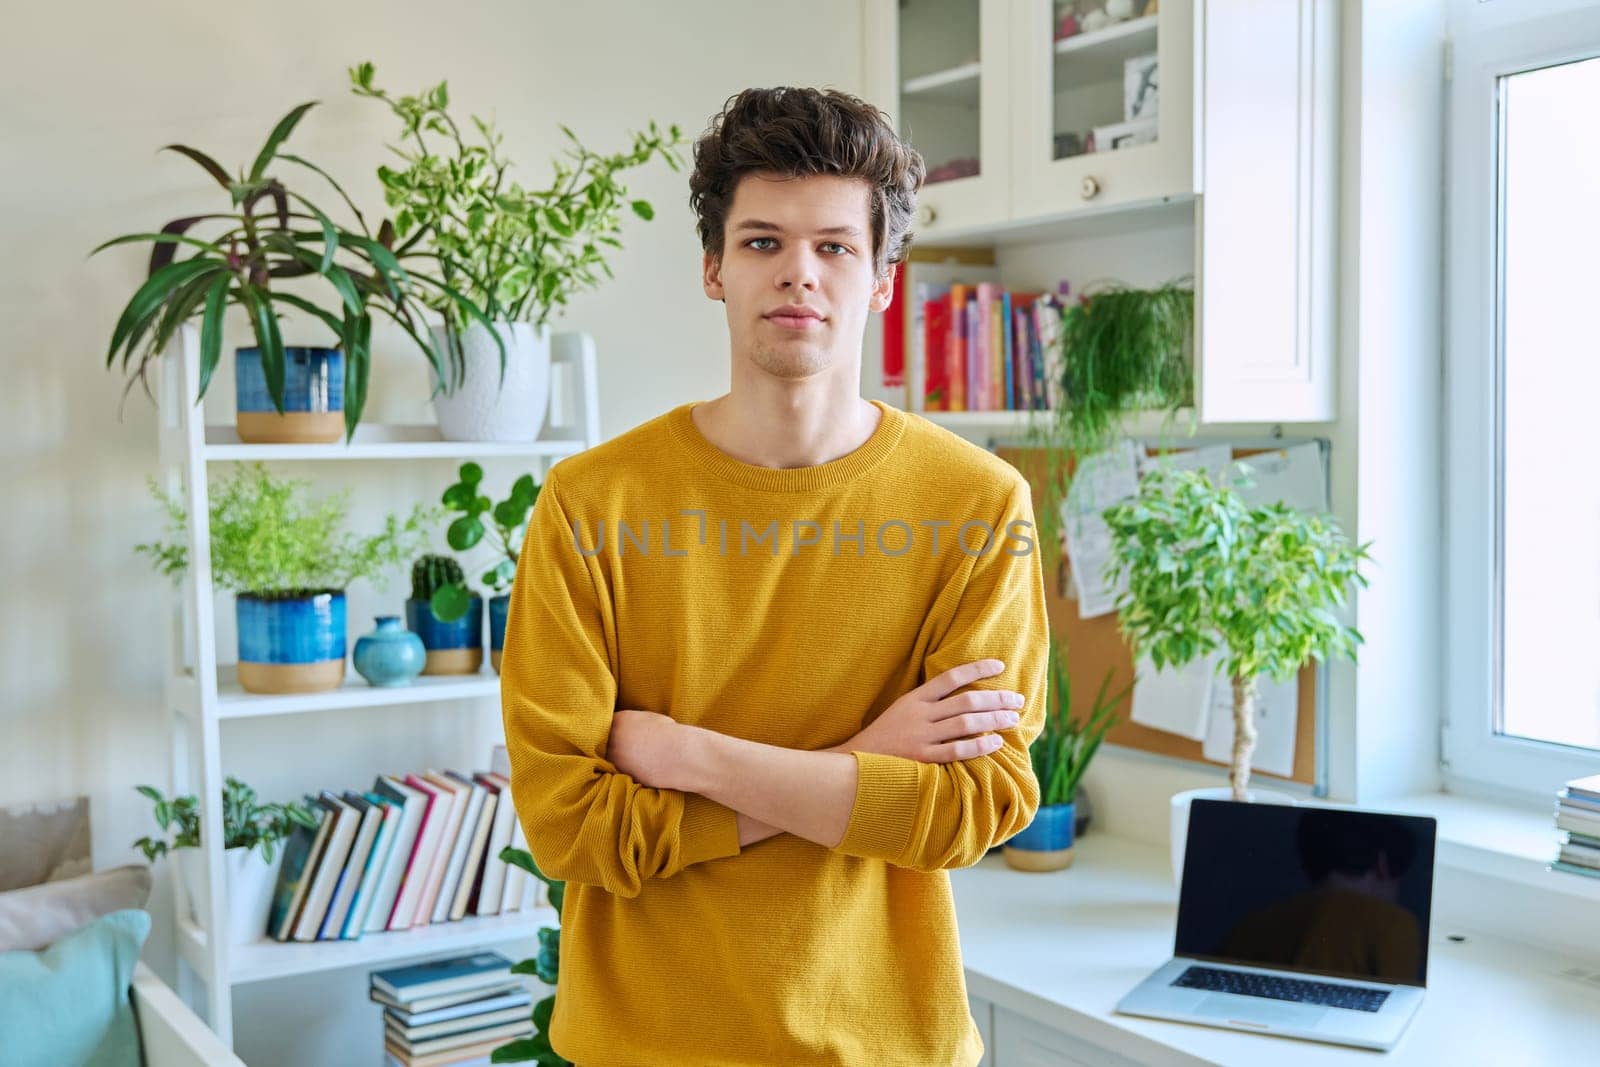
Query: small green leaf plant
[[272, 235], [1207, 574], [1063, 749], [506, 526], [504, 252], [270, 541], [246, 822], [546, 967]]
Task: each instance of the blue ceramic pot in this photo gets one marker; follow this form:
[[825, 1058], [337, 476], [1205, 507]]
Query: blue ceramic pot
[[291, 644], [498, 606], [1045, 844], [313, 396], [454, 647], [390, 654]]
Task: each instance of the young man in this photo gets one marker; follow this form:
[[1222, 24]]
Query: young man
[[774, 660]]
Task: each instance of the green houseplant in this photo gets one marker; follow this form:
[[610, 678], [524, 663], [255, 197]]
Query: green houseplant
[[1122, 350], [272, 235], [516, 252], [446, 615], [251, 833], [1060, 755], [546, 967], [289, 560], [1208, 574]]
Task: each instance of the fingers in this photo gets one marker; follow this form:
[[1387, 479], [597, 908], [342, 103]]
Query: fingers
[[976, 700], [964, 674], [975, 722], [966, 748]]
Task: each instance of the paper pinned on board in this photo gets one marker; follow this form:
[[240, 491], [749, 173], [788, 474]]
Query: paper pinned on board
[[1175, 699], [1213, 459], [1291, 476], [1101, 480], [1277, 716]]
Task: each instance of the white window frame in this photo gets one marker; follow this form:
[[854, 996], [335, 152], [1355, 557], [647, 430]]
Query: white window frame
[[1475, 758]]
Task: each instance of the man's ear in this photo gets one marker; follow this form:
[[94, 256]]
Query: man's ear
[[711, 277], [882, 291]]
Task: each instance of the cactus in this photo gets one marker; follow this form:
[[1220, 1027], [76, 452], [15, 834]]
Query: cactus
[[430, 573]]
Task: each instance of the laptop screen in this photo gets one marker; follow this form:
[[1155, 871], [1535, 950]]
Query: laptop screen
[[1320, 890]]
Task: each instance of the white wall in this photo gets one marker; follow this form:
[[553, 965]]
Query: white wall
[[88, 93]]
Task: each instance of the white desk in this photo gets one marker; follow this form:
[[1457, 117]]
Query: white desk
[[1062, 948]]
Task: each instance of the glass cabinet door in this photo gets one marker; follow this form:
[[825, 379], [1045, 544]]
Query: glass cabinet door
[[1107, 108], [945, 84]]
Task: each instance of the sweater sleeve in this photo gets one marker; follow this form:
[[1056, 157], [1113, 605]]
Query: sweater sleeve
[[585, 821], [934, 816]]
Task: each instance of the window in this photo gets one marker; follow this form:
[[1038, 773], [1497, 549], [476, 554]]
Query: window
[[1522, 611]]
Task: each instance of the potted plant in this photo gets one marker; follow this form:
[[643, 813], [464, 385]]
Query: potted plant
[[271, 235], [546, 967], [514, 252], [1060, 755], [446, 616], [250, 859], [507, 526], [1122, 350], [1256, 587], [289, 560]]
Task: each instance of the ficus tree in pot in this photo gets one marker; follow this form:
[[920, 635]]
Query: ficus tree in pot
[[1207, 574]]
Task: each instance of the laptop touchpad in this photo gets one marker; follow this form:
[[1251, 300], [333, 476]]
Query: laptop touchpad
[[1260, 1010]]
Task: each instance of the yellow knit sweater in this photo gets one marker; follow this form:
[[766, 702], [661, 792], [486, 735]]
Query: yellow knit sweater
[[788, 607]]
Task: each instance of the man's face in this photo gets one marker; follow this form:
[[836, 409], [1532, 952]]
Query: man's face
[[793, 243]]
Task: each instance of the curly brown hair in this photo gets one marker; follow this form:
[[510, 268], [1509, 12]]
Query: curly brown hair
[[798, 132]]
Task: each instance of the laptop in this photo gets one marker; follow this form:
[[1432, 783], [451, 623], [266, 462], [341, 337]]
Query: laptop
[[1298, 921]]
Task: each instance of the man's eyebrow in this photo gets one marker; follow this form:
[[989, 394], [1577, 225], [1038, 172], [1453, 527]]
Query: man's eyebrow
[[758, 224]]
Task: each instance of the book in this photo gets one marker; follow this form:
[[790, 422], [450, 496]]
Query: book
[[1577, 801], [390, 814], [934, 329], [413, 806], [472, 871], [460, 1025], [444, 975], [1569, 819], [1573, 868], [487, 895], [471, 1039], [329, 867], [1588, 788], [894, 330], [422, 853], [511, 894], [441, 1001], [519, 997], [955, 353], [300, 853], [344, 892], [457, 868], [455, 809], [470, 1056]]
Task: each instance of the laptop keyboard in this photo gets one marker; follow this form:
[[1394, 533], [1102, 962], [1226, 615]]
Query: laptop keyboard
[[1274, 987]]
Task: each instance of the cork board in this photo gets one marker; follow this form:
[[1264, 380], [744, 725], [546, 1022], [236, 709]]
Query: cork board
[[1093, 645]]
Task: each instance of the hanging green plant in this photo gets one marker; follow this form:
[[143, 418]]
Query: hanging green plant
[[1121, 351]]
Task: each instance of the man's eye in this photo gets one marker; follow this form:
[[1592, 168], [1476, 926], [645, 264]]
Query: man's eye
[[754, 240], [826, 244]]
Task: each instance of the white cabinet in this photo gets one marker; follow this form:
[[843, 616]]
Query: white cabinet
[[1022, 1042], [1079, 97], [1016, 123], [1265, 296], [983, 1015]]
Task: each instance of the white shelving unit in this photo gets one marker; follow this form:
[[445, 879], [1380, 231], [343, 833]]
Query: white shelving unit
[[204, 693]]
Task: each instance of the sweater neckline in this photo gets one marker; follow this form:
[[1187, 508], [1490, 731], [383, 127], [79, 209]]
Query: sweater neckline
[[885, 436]]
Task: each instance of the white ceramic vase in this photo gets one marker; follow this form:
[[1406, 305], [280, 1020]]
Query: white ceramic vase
[[249, 882], [481, 408], [1180, 815]]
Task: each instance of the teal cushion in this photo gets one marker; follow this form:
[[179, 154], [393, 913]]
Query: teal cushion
[[69, 1003]]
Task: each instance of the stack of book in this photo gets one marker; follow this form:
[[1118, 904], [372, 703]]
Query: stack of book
[[1578, 813], [414, 849], [451, 1011]]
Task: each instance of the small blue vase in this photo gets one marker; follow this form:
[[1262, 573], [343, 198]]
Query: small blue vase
[[498, 607], [313, 397], [454, 647], [1046, 843], [389, 655]]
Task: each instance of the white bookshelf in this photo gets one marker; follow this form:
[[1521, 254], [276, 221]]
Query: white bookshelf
[[203, 692]]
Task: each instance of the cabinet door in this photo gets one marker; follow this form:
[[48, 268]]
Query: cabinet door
[[1021, 1042], [938, 68], [1103, 115], [983, 1015], [1265, 226]]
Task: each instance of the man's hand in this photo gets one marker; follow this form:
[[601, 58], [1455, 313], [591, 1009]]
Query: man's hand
[[646, 746], [931, 726]]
